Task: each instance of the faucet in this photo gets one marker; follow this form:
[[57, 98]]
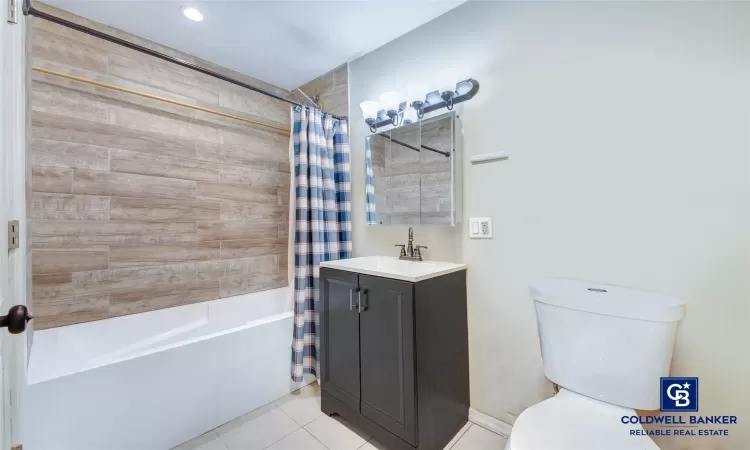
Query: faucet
[[410, 252]]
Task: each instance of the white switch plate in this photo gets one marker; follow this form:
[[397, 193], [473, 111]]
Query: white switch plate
[[480, 228]]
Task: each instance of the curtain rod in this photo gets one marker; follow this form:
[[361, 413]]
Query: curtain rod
[[155, 97], [29, 10]]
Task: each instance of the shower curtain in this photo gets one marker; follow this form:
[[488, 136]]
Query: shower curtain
[[370, 212], [323, 226]]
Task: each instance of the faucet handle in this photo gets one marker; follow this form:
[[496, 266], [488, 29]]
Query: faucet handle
[[403, 249], [417, 252]]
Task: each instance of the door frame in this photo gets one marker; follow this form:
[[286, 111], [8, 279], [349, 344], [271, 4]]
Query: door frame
[[14, 285]]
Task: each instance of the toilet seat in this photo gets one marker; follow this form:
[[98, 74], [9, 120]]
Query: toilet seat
[[571, 421]]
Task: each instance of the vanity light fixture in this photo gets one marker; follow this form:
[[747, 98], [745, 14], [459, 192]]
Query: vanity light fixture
[[415, 95], [433, 98], [370, 111], [410, 116], [399, 111], [447, 87], [391, 102], [464, 87]]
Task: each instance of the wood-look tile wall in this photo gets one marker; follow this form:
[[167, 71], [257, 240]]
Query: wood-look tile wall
[[331, 89], [137, 204]]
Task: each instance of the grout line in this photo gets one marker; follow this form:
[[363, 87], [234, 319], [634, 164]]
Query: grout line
[[313, 436], [484, 428], [284, 412], [301, 427], [461, 433], [287, 435], [272, 402], [367, 442]]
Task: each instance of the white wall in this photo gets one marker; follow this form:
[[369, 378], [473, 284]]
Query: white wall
[[627, 126]]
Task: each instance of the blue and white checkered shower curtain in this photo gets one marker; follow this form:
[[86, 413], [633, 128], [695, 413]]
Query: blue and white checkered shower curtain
[[370, 212], [323, 228]]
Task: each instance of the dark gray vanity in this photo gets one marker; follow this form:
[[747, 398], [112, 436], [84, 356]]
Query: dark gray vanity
[[394, 355]]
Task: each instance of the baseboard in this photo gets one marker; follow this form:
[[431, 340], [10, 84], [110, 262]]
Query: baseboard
[[489, 422]]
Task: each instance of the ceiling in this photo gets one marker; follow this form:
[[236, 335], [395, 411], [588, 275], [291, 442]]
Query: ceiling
[[285, 43]]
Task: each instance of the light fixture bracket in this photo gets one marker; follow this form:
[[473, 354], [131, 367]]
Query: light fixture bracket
[[418, 105]]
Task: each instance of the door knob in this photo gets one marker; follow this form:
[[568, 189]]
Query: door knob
[[16, 319]]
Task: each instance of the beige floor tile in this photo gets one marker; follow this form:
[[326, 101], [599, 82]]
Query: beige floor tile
[[257, 430], [299, 440], [208, 441], [277, 426], [372, 444], [335, 434], [303, 405], [478, 438], [214, 445], [458, 435]]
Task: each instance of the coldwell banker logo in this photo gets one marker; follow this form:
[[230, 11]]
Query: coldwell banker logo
[[679, 394]]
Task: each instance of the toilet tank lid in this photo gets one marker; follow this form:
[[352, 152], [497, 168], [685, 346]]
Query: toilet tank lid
[[608, 300]]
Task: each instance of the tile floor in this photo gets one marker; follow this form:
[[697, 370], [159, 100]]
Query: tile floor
[[295, 422]]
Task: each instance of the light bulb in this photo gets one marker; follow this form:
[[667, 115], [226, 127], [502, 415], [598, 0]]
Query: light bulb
[[433, 98], [192, 13], [391, 101], [370, 109], [410, 116], [464, 87]]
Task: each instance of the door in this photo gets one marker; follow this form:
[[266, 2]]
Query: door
[[387, 357], [13, 279], [339, 341]]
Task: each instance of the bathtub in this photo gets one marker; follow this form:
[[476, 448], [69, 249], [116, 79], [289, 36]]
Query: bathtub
[[154, 380]]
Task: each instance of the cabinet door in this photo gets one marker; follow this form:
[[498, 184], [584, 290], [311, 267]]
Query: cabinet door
[[387, 355], [339, 339]]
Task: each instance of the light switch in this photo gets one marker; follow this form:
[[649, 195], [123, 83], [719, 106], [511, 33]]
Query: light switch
[[480, 228]]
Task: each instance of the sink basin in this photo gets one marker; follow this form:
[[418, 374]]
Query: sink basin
[[392, 267]]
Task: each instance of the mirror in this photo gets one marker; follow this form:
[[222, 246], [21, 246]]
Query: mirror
[[411, 174]]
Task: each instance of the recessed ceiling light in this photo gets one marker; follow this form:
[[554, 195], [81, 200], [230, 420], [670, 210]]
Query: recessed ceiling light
[[192, 13]]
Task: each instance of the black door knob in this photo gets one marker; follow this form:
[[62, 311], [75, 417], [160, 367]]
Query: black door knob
[[16, 319]]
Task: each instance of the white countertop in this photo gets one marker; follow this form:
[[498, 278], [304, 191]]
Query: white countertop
[[392, 267]]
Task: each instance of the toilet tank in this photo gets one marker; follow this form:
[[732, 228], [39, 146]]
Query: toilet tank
[[605, 342]]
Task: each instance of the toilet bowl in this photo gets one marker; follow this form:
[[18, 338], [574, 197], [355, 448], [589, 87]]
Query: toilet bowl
[[607, 347]]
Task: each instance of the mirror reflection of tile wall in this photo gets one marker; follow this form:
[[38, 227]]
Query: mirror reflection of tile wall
[[436, 180], [412, 182]]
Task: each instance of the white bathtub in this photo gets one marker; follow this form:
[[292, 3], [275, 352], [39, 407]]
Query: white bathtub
[[154, 380]]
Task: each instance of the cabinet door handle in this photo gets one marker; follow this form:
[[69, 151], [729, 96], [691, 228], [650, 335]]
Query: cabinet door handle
[[362, 306], [351, 299]]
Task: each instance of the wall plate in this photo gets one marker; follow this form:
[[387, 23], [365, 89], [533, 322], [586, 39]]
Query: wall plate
[[480, 228]]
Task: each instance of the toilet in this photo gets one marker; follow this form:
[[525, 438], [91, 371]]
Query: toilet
[[606, 347]]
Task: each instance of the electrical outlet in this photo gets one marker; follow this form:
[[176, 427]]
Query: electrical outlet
[[485, 228], [480, 228]]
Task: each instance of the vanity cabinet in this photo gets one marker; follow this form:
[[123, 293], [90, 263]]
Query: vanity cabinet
[[394, 356]]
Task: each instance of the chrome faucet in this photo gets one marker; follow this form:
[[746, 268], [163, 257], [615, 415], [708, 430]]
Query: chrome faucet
[[410, 252]]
